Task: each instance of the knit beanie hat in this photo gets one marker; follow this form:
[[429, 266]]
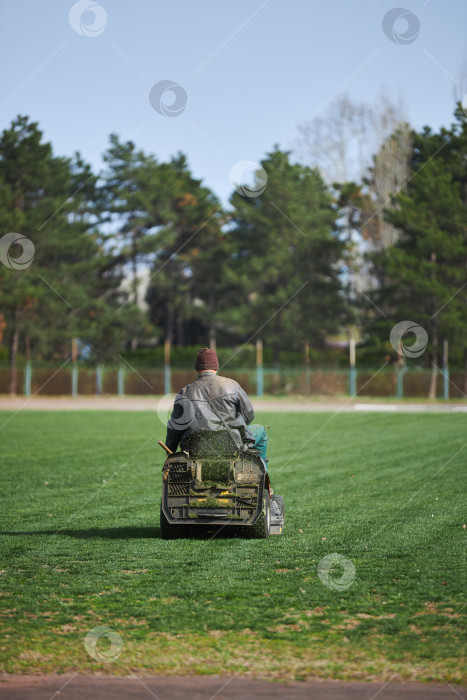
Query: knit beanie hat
[[206, 359]]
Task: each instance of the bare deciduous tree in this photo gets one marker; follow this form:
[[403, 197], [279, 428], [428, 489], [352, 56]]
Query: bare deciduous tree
[[343, 141], [388, 175]]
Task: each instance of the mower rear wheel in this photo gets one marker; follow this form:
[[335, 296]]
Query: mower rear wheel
[[260, 530], [169, 531]]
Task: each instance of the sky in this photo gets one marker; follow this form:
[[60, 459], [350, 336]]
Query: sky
[[249, 71]]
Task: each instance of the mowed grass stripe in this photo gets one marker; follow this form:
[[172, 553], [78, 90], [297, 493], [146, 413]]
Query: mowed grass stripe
[[383, 490]]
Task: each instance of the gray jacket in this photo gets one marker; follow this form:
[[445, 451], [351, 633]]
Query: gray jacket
[[193, 412]]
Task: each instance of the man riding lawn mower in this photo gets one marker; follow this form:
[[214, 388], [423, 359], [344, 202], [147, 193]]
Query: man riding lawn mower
[[220, 474]]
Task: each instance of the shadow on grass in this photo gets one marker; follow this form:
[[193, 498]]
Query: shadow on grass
[[109, 533], [123, 533]]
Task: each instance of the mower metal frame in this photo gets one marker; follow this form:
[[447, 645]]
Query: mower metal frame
[[237, 499]]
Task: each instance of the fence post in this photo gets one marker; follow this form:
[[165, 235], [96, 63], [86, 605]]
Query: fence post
[[27, 379], [445, 370], [167, 377], [99, 380], [121, 380], [353, 369], [74, 380], [400, 382], [400, 369], [27, 369], [307, 368], [259, 367]]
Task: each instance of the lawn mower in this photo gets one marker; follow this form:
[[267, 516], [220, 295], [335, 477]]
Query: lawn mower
[[213, 484]]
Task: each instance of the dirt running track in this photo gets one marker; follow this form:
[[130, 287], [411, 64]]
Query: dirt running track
[[75, 687], [163, 404]]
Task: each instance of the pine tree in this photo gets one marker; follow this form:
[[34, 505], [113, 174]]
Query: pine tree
[[288, 257], [187, 263], [71, 280], [424, 273]]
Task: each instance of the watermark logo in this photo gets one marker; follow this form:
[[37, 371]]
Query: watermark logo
[[88, 18], [168, 98], [401, 26], [248, 178], [164, 408], [103, 644], [176, 412], [400, 332], [336, 572], [7, 251]]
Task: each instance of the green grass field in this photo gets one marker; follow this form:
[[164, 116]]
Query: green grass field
[[81, 548]]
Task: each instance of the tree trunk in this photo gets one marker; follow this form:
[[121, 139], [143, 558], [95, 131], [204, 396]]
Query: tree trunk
[[212, 337], [169, 328], [134, 252], [27, 343], [276, 346], [180, 330], [13, 356], [2, 327], [212, 326], [276, 354]]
